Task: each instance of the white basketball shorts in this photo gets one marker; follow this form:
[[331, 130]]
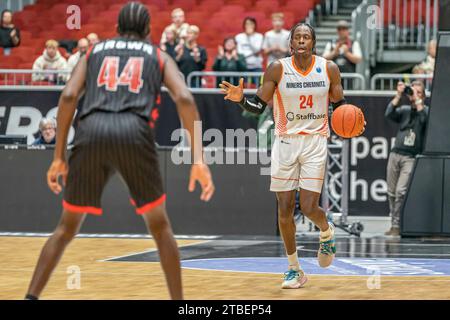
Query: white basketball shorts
[[298, 161]]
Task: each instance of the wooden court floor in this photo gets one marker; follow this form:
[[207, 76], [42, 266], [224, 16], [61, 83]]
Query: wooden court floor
[[137, 280]]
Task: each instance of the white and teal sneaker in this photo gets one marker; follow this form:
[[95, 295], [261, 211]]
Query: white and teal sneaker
[[294, 279], [327, 250]]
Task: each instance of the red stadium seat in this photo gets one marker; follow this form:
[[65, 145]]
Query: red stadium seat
[[186, 5], [216, 19], [10, 62]]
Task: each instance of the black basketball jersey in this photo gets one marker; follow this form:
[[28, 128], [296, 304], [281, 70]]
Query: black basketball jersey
[[122, 75]]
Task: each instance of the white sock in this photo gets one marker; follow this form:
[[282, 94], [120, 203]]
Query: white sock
[[293, 261], [327, 234]]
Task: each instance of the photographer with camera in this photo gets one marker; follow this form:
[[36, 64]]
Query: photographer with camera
[[412, 118]]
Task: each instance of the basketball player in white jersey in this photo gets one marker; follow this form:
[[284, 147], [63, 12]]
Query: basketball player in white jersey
[[301, 87]]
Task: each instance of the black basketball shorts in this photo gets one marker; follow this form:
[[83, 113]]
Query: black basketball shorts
[[105, 143]]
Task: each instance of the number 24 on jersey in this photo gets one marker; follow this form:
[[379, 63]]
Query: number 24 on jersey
[[306, 101]]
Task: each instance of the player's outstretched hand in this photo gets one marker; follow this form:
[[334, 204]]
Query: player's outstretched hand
[[201, 173], [57, 168], [233, 93]]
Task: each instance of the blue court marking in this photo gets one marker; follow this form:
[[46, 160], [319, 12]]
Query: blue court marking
[[340, 266]]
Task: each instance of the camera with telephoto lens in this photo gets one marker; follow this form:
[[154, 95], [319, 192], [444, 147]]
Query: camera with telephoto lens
[[408, 91]]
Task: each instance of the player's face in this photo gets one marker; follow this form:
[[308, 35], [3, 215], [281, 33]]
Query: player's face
[[48, 133], [7, 18], [302, 41]]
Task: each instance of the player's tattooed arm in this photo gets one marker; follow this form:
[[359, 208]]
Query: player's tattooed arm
[[67, 105], [336, 92], [257, 103], [188, 113]]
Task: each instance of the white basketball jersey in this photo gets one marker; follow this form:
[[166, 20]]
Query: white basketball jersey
[[300, 102]]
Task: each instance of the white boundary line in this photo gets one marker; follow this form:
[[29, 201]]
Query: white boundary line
[[106, 235], [147, 251]]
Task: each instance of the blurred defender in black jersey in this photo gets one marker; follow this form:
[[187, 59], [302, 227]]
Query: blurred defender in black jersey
[[121, 79]]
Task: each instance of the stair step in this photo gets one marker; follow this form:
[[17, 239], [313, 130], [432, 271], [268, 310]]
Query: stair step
[[338, 17], [345, 11], [347, 5], [329, 24]]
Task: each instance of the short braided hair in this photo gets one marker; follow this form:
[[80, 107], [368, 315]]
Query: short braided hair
[[311, 29], [134, 18]]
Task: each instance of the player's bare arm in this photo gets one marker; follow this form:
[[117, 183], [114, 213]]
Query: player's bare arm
[[67, 105], [265, 92], [336, 92], [187, 110]]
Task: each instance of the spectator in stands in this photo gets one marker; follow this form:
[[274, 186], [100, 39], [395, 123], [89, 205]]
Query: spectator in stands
[[190, 56], [250, 45], [47, 129], [412, 118], [178, 24], [83, 46], [93, 39], [276, 41], [427, 66], [51, 59], [228, 59], [9, 34], [171, 42], [344, 52]]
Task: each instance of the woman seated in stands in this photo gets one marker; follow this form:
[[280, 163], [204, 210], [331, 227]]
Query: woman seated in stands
[[47, 132], [171, 42], [229, 60]]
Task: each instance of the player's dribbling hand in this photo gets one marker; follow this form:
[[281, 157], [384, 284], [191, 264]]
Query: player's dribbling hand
[[201, 173], [57, 168], [233, 93]]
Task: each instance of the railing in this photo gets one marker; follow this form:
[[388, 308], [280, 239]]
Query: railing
[[418, 31], [388, 81], [14, 5], [26, 77], [22, 77], [196, 79], [210, 79]]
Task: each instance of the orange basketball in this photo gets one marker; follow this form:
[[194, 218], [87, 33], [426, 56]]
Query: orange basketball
[[347, 121]]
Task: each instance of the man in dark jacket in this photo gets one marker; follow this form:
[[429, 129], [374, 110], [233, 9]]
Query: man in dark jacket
[[412, 118]]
